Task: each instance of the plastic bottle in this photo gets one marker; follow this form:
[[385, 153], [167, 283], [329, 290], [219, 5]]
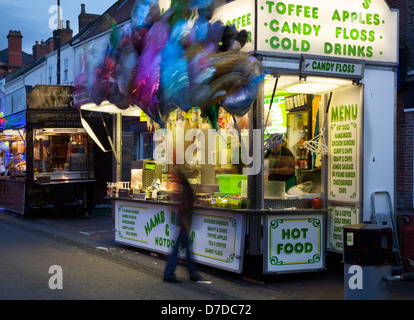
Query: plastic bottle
[[317, 203]]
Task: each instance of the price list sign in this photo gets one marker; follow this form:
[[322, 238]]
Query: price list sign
[[344, 124], [217, 237], [338, 217]]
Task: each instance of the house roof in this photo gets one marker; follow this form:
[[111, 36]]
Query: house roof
[[16, 73], [119, 12], [4, 56]]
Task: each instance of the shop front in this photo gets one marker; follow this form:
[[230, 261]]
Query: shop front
[[275, 186], [49, 157]]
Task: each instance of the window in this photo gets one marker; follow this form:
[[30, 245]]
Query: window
[[65, 69], [50, 75]]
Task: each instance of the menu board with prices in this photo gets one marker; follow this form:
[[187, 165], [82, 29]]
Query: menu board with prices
[[217, 237], [344, 125], [338, 217]]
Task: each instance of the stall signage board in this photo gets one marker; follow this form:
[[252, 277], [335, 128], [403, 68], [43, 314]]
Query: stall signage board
[[218, 237], [344, 158], [332, 68], [67, 118], [352, 29], [241, 14], [293, 243], [338, 217], [277, 122], [46, 97], [14, 121]]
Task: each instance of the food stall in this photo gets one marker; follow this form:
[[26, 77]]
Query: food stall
[[332, 100], [331, 69], [50, 157]]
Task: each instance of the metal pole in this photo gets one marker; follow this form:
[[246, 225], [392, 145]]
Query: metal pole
[[255, 193], [118, 146], [58, 43]]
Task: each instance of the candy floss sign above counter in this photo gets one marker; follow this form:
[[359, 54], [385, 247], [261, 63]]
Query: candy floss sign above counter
[[351, 29]]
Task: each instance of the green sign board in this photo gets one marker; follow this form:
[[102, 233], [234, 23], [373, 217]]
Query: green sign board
[[217, 237], [293, 243], [352, 29], [345, 130]]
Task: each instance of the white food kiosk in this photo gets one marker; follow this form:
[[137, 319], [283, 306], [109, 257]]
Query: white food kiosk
[[337, 60]]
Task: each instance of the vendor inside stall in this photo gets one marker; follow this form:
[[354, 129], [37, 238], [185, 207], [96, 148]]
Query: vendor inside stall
[[40, 151], [280, 161]]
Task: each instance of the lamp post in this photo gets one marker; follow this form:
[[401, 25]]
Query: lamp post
[[58, 43]]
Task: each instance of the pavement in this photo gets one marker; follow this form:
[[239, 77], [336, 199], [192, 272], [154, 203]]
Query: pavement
[[98, 233]]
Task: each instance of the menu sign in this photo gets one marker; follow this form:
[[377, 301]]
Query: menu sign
[[217, 237], [344, 125], [338, 217], [351, 29]]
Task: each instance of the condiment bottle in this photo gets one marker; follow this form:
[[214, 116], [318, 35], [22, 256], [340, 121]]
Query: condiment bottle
[[317, 203]]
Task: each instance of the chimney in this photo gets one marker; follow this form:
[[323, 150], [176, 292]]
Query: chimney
[[85, 18], [15, 48], [40, 50], [65, 34]]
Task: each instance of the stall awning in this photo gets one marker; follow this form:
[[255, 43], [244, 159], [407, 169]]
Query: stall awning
[[96, 126], [98, 129], [108, 107]]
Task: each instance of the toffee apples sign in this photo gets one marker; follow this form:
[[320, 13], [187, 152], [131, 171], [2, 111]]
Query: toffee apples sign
[[352, 29]]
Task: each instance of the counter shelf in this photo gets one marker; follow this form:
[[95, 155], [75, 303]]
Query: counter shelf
[[287, 209], [54, 182], [218, 234]]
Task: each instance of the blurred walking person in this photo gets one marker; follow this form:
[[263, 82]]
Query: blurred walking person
[[184, 201]]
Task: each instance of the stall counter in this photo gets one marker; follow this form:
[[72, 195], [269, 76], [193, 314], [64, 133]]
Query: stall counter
[[12, 194], [218, 235], [17, 194]]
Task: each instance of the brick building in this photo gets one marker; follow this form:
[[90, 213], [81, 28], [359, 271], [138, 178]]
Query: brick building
[[405, 106], [45, 47], [13, 57]]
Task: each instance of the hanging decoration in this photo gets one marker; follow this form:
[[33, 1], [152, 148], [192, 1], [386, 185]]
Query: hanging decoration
[[163, 62]]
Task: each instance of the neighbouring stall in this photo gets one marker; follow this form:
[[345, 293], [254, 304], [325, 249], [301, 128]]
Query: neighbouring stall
[[282, 128], [48, 156]]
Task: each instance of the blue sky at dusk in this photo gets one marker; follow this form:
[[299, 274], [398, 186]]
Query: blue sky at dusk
[[32, 18]]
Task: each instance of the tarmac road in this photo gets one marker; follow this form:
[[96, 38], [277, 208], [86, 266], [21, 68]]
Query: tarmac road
[[93, 272], [95, 267]]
